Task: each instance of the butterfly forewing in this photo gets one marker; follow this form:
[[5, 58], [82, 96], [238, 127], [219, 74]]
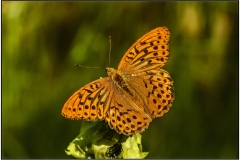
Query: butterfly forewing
[[88, 102], [148, 52]]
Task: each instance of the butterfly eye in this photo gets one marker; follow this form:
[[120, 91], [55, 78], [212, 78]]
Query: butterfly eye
[[107, 71]]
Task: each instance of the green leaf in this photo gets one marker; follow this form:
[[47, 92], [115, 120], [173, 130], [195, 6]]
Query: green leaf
[[132, 148], [97, 140]]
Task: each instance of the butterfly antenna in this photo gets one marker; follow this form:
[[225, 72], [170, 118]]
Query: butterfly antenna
[[78, 65], [109, 50]]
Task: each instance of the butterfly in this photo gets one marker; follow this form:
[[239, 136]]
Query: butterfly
[[134, 94]]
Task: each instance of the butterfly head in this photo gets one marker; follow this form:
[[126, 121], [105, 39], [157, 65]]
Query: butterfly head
[[110, 71]]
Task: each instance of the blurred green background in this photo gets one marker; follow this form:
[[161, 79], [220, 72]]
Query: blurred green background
[[41, 42]]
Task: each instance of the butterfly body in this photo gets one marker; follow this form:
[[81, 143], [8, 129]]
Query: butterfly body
[[134, 94], [118, 79]]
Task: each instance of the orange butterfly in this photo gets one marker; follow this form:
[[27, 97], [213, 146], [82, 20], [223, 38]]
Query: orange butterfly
[[130, 97]]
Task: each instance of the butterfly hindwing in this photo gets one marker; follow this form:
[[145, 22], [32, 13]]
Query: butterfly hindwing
[[125, 116], [159, 86], [153, 90]]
